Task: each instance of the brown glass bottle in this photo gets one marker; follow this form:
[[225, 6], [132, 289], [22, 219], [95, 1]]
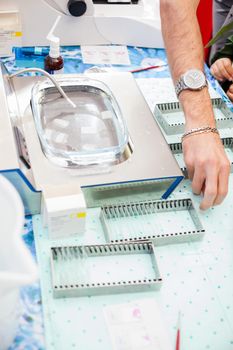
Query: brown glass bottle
[[53, 65]]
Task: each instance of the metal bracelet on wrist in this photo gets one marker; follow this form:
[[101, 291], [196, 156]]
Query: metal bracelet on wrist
[[201, 130]]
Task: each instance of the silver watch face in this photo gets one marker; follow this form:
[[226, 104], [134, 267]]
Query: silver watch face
[[194, 79]]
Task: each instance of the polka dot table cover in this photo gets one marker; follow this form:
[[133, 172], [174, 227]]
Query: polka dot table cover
[[197, 276]]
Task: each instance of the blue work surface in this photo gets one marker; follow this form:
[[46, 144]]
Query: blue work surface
[[197, 276]]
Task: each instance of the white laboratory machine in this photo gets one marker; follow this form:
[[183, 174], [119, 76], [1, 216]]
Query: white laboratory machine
[[83, 22]]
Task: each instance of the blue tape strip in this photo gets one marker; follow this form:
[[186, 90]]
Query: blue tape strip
[[172, 187], [132, 181], [18, 171]]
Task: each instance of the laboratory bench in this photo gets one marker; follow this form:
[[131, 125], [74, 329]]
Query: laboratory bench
[[197, 276]]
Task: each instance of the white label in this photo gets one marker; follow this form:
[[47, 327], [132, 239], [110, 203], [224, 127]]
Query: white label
[[10, 32], [65, 225], [7, 41]]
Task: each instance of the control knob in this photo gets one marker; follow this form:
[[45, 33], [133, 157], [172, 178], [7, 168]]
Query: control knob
[[77, 8]]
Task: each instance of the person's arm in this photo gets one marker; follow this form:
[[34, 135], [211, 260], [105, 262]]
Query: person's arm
[[204, 155]]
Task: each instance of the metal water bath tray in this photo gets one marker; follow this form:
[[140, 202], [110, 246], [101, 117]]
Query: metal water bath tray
[[109, 144]]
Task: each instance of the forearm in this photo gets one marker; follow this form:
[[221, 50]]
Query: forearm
[[204, 155], [185, 51]]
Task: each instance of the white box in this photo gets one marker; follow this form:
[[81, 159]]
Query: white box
[[63, 210], [10, 32]]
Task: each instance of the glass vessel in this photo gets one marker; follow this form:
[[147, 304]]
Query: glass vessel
[[93, 134]]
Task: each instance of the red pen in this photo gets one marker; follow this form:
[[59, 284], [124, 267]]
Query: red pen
[[178, 332], [146, 68]]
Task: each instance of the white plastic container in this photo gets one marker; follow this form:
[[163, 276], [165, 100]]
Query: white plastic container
[[17, 267]]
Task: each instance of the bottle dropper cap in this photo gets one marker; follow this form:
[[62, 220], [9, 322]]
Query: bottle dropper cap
[[54, 51]]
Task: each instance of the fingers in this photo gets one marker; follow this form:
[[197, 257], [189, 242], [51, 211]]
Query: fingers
[[214, 185], [208, 168], [198, 182], [230, 92], [205, 181], [226, 69], [222, 69], [216, 72], [211, 189], [223, 180], [190, 169]]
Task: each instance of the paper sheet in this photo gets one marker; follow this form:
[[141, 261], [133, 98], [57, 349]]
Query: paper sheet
[[136, 326], [102, 54]]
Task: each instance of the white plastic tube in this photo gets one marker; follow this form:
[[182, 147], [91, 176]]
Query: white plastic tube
[[42, 71]]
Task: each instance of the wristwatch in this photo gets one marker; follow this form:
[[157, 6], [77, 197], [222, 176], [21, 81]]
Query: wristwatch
[[193, 79]]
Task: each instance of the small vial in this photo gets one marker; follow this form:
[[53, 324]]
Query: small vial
[[53, 65]]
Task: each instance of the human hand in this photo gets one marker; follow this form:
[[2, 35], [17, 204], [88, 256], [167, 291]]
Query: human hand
[[222, 69], [208, 167], [230, 92]]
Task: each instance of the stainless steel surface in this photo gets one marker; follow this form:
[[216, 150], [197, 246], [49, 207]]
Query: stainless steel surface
[[149, 171], [7, 103], [71, 284], [11, 164], [139, 221], [171, 117]]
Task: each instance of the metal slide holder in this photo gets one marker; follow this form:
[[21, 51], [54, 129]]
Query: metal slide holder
[[104, 269], [148, 220], [176, 149], [171, 117]]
